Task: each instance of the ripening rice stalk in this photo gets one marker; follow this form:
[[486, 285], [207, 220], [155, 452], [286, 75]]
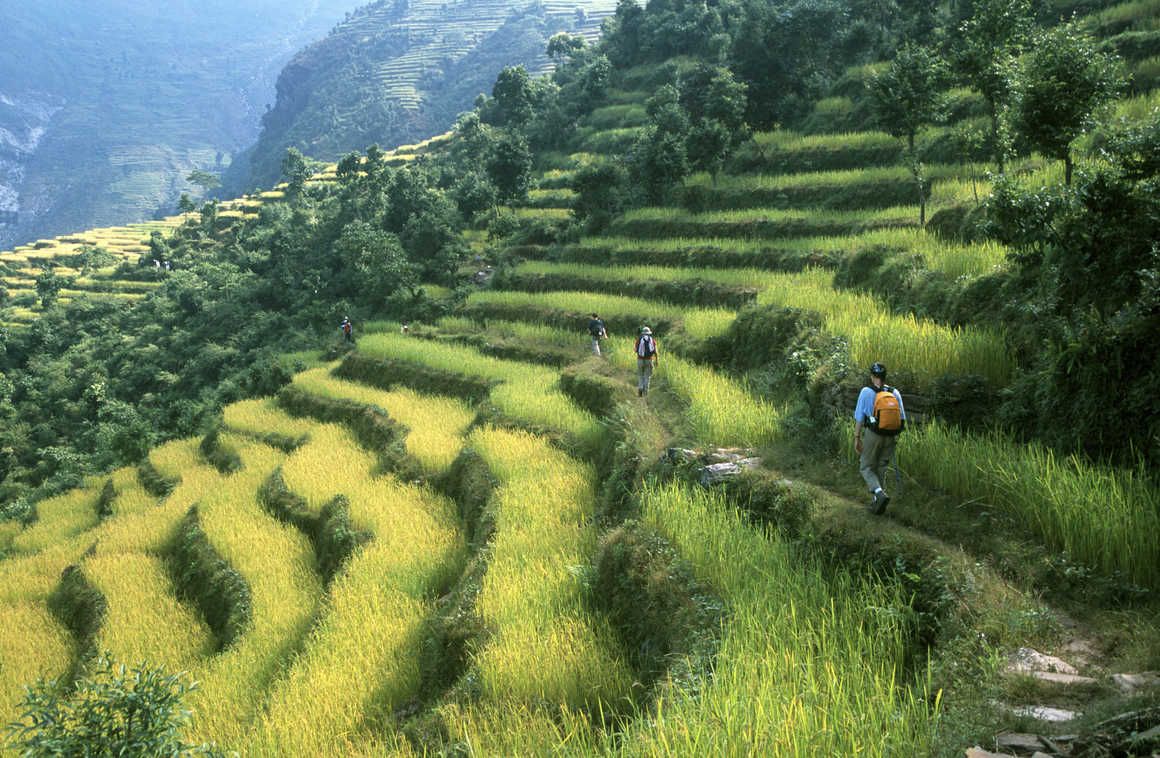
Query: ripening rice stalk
[[435, 425], [1138, 108], [750, 215], [143, 619], [8, 532], [277, 562], [811, 179], [261, 416], [518, 728], [784, 139], [546, 644], [131, 496], [61, 517], [719, 410], [32, 646], [901, 342], [1099, 515], [809, 662], [360, 662], [151, 530], [578, 302], [326, 465], [706, 320], [31, 578], [529, 392]]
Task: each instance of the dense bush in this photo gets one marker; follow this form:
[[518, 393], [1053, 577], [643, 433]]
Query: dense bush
[[661, 613], [204, 578], [113, 711]]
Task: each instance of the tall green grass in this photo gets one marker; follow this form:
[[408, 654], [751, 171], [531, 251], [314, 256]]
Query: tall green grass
[[923, 347], [609, 306], [527, 392], [810, 662], [1100, 516], [718, 410], [547, 646]]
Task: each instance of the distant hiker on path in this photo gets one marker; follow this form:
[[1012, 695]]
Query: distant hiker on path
[[646, 360], [347, 330], [879, 411], [405, 329], [596, 332]]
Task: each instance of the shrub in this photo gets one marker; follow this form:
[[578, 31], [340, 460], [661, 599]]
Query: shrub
[[203, 577], [661, 613], [113, 711], [80, 608]]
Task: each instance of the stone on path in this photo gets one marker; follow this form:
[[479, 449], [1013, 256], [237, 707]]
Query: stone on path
[[1132, 683], [978, 752], [717, 472], [1019, 744], [1025, 660]]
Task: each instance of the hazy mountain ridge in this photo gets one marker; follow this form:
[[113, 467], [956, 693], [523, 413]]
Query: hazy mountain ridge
[[397, 72], [142, 95]]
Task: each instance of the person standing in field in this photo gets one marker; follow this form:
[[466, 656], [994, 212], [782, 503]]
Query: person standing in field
[[597, 332], [880, 416], [347, 329], [646, 360]]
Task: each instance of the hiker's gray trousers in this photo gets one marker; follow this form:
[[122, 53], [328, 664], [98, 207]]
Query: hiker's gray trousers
[[877, 451], [644, 371]]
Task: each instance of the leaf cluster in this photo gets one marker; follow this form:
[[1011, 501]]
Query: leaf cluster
[[114, 710]]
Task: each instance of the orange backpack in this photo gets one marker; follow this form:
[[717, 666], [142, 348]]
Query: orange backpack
[[886, 418]]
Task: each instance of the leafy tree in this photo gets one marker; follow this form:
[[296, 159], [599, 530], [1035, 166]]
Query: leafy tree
[[377, 258], [474, 194], [788, 55], [1066, 80], [113, 711], [185, 204], [48, 285], [349, 168], [563, 46], [601, 190], [660, 158], [295, 171], [906, 97], [621, 34], [510, 167], [985, 55], [512, 97], [715, 105], [1088, 254], [204, 180]]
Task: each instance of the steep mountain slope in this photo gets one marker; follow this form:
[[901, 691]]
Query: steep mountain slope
[[125, 99], [399, 71]]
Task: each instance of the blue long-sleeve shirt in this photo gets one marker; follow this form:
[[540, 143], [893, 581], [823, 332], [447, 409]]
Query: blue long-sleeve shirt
[[865, 407]]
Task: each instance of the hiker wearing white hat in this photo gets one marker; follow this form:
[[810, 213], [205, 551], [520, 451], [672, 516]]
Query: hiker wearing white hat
[[646, 360]]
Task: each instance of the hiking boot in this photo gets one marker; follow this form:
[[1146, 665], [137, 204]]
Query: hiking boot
[[880, 501]]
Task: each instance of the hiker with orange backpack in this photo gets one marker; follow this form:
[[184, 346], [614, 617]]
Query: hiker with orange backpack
[[880, 414]]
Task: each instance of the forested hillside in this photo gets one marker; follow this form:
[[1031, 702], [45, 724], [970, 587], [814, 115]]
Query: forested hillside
[[398, 72], [107, 106], [462, 529]]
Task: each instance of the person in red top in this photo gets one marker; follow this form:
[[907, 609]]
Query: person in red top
[[347, 330], [646, 360]]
